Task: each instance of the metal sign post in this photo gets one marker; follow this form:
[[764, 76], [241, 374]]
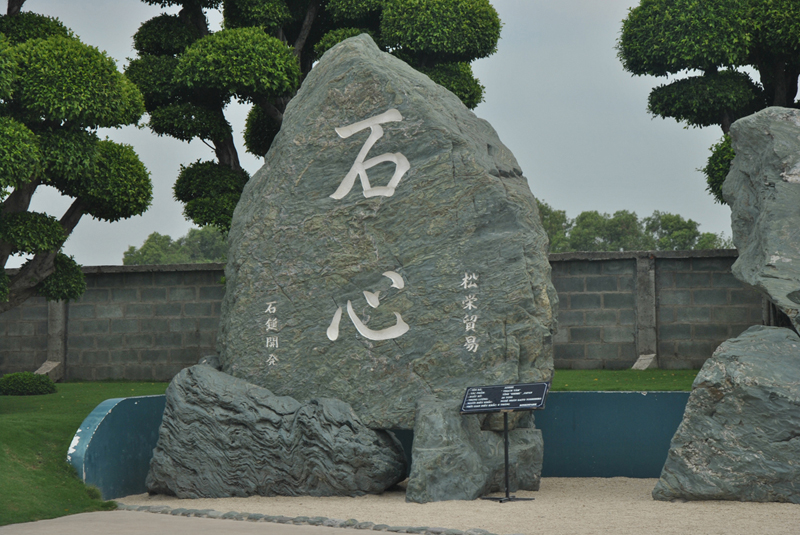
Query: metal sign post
[[505, 399]]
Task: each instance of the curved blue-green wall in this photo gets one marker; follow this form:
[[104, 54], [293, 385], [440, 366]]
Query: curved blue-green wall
[[113, 446]]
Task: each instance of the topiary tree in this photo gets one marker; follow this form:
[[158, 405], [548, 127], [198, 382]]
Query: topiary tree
[[189, 74], [55, 92], [716, 39]]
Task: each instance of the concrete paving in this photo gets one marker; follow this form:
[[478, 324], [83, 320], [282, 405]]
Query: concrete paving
[[137, 523]]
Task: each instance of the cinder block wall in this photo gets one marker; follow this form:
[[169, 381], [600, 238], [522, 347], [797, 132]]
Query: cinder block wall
[[23, 337], [700, 305], [149, 322], [597, 313], [143, 323]]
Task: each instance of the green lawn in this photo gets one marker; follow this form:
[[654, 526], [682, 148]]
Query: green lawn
[[607, 380], [35, 431]]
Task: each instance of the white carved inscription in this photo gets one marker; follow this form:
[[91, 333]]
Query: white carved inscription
[[470, 305], [395, 331], [271, 326], [361, 165]]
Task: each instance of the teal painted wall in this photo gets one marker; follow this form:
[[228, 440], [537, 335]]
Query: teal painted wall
[[608, 434], [586, 434], [113, 446]]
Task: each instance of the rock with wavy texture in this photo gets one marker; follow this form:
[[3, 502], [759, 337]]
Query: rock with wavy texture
[[763, 191], [740, 434], [390, 248], [222, 436]]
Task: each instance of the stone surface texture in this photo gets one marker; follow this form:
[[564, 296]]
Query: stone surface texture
[[740, 434], [297, 255], [763, 190], [453, 459], [222, 436]]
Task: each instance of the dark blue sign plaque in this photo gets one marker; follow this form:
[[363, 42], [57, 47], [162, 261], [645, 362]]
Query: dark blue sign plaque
[[501, 398]]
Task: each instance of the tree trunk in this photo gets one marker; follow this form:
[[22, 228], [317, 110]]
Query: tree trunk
[[726, 122], [305, 29], [226, 153], [192, 14], [780, 96], [13, 7]]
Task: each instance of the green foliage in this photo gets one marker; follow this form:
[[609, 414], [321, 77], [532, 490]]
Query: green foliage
[[458, 78], [671, 231], [246, 62], [260, 130], [4, 282], [120, 186], [66, 282], [448, 30], [350, 10], [68, 156], [165, 35], [660, 37], [186, 121], [557, 225], [718, 167], [624, 231], [334, 37], [26, 26], [8, 68], [267, 14], [204, 4], [704, 100], [210, 192], [207, 244], [153, 76], [31, 232], [20, 157], [26, 384], [63, 80]]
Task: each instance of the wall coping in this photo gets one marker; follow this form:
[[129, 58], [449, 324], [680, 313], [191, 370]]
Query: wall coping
[[631, 255]]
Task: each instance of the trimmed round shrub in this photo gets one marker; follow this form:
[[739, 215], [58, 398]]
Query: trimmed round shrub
[[26, 384]]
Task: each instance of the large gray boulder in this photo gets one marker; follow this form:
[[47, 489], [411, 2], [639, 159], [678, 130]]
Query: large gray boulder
[[763, 191], [222, 436], [453, 459], [389, 249], [740, 434]]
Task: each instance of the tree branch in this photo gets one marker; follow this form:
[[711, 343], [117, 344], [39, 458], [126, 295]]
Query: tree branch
[[305, 29], [274, 113]]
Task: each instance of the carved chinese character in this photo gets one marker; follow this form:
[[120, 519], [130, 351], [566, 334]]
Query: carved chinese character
[[360, 166], [395, 331], [472, 343], [272, 324], [272, 360], [270, 307], [470, 322], [470, 281], [469, 302], [272, 341]]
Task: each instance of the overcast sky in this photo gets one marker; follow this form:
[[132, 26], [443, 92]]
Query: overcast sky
[[555, 92]]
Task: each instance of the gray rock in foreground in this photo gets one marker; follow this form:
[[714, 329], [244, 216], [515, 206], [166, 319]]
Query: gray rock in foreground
[[453, 459], [740, 434], [763, 191], [223, 436], [377, 298]]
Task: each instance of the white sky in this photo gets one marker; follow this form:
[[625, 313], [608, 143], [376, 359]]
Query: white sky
[[555, 92]]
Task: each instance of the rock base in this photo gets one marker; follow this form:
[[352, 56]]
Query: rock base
[[222, 437], [740, 434]]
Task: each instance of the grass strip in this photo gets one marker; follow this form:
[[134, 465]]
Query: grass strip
[[621, 380], [36, 482]]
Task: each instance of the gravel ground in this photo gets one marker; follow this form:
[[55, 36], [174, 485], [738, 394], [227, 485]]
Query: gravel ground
[[563, 506]]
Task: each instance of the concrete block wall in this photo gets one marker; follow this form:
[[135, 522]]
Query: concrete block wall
[[149, 322], [23, 337], [143, 324], [597, 313], [700, 304]]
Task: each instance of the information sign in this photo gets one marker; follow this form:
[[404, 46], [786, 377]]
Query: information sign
[[497, 398]]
